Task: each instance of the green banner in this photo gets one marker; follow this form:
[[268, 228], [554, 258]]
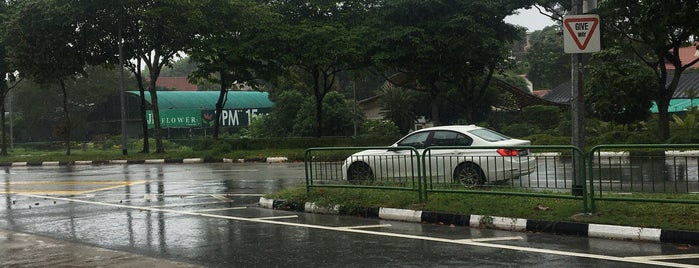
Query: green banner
[[232, 117], [175, 118]]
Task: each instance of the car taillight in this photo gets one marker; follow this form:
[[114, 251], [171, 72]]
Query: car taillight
[[507, 152]]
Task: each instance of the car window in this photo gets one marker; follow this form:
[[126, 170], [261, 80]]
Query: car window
[[417, 140], [489, 135], [450, 138], [462, 140]]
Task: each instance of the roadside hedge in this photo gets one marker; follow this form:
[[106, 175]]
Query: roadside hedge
[[231, 144]]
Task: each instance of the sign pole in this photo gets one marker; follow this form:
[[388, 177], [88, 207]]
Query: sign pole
[[581, 35], [577, 109]]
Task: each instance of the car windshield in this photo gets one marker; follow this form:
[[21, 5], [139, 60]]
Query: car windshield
[[489, 135]]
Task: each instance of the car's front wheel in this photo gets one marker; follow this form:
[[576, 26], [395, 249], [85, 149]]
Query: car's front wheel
[[359, 172], [469, 174]]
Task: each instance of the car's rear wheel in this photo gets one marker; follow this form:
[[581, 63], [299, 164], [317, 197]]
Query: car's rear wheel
[[359, 172], [469, 174]]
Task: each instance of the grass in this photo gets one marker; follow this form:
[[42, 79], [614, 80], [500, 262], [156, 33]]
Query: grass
[[22, 155], [636, 214]]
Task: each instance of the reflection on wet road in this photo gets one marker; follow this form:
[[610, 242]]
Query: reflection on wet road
[[206, 214]]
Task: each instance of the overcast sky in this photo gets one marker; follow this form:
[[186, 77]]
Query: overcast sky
[[531, 19]]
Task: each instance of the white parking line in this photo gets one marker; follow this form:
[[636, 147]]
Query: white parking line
[[385, 234], [191, 204], [278, 217], [667, 257], [221, 197], [219, 209], [366, 226], [492, 239]]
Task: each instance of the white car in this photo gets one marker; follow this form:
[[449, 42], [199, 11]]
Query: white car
[[506, 160]]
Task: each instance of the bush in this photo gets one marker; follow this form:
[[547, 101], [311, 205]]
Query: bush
[[380, 128], [564, 128], [520, 130], [138, 144], [547, 139], [233, 144], [541, 116]]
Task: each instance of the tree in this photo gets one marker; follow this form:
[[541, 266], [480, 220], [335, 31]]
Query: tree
[[549, 66], [35, 105], [224, 52], [433, 51], [50, 45], [321, 39], [337, 116], [282, 117], [616, 87], [157, 31], [399, 105], [655, 30], [8, 79]]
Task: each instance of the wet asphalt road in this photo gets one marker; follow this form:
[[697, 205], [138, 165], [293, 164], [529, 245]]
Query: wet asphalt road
[[206, 215]]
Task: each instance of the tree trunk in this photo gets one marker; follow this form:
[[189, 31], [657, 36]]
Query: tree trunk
[[319, 116], [159, 149], [65, 132], [144, 120], [663, 101], [3, 97], [222, 98], [319, 102], [663, 119], [434, 103]]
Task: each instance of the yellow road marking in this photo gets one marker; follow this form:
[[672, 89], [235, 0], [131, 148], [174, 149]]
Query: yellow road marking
[[111, 185]]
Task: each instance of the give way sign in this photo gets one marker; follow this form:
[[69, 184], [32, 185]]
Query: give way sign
[[581, 34]]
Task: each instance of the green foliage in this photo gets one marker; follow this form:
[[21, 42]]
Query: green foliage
[[685, 130], [280, 122], [427, 43], [46, 46], [541, 116], [520, 130], [549, 66], [564, 128], [337, 117], [257, 127], [166, 144], [537, 119], [513, 79], [617, 88], [235, 144], [655, 38], [379, 128], [548, 139], [320, 40], [399, 105], [38, 104]]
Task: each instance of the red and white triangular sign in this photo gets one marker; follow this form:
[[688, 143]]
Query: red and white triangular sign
[[581, 34]]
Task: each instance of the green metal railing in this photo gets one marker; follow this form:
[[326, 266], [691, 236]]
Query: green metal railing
[[550, 175], [640, 173], [659, 173], [330, 167]]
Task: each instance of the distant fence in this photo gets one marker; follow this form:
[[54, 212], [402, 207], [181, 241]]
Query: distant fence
[[639, 173], [325, 167], [631, 172], [551, 175]]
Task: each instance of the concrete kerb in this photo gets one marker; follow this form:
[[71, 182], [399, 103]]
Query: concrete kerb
[[501, 223], [142, 161]]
